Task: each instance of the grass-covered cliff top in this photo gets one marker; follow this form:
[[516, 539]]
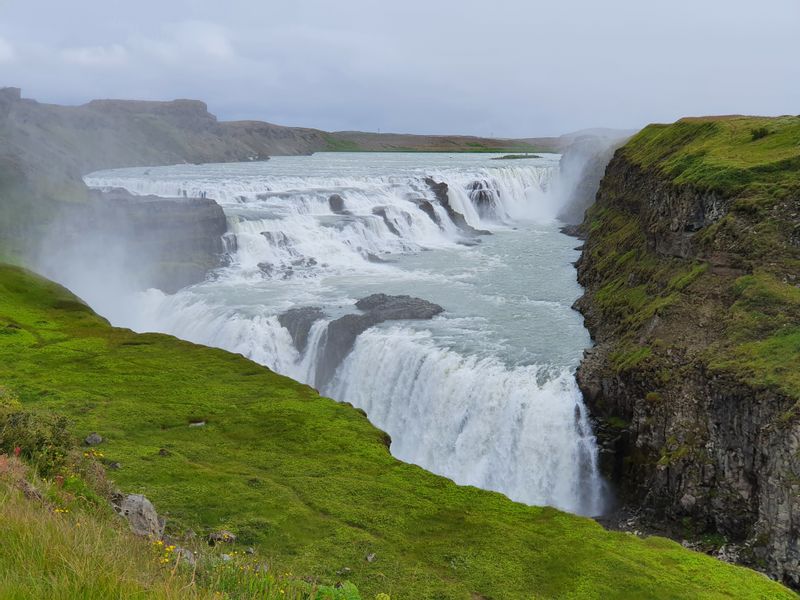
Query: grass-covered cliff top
[[731, 154], [307, 481], [705, 236]]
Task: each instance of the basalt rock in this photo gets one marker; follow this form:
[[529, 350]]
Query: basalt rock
[[380, 211], [426, 207], [154, 242], [299, 321], [484, 198], [693, 448], [336, 203], [439, 190], [377, 308]]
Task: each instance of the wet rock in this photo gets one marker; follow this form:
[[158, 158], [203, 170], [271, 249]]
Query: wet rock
[[484, 198], [398, 307], [342, 333], [336, 203], [93, 439], [374, 258], [380, 211], [426, 207], [440, 191], [298, 321], [141, 515]]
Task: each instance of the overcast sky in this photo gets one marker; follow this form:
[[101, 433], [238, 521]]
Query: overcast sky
[[502, 67]]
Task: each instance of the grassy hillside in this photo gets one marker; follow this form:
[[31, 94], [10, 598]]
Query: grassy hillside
[[308, 481], [60, 540]]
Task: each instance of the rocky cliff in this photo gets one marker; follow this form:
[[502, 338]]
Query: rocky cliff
[[691, 267]]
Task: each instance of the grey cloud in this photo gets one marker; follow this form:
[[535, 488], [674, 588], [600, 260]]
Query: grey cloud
[[511, 67]]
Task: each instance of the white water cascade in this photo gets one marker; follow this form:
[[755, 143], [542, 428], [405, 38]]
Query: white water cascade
[[485, 392]]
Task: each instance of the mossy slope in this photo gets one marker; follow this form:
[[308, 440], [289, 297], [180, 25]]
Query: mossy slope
[[309, 481], [691, 268]]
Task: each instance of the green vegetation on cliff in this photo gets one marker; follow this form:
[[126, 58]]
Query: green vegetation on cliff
[[309, 482], [721, 261], [692, 275], [724, 154]]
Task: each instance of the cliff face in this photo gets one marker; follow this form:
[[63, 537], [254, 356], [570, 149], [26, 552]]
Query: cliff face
[[691, 268]]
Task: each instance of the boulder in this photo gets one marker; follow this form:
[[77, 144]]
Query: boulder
[[336, 203], [141, 515], [93, 439]]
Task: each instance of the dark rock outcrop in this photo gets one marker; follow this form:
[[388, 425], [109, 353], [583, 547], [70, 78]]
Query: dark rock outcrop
[[299, 321], [484, 198], [164, 243], [696, 450], [377, 308], [336, 203], [439, 190], [426, 207], [380, 211]]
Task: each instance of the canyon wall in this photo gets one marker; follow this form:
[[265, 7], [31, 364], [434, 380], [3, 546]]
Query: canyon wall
[[691, 268]]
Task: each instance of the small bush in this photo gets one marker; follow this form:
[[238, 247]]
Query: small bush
[[759, 133], [42, 438]]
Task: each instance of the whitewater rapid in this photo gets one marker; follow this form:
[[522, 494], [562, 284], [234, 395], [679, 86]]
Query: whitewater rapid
[[484, 393]]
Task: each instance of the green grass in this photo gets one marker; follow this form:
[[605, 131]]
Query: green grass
[[308, 481], [67, 547], [719, 153], [746, 322]]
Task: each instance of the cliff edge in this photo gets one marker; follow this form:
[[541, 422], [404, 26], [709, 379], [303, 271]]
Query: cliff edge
[[692, 275]]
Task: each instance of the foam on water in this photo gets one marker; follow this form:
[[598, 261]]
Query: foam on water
[[485, 393]]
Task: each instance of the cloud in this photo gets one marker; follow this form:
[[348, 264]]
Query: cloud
[[186, 43], [7, 52], [517, 68], [114, 55]]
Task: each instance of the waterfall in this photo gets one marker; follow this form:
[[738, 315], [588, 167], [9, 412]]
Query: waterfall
[[484, 412]]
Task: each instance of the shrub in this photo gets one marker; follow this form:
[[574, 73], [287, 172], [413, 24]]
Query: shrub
[[759, 133], [42, 438]]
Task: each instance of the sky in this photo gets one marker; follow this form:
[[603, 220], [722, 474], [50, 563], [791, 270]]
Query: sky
[[509, 68]]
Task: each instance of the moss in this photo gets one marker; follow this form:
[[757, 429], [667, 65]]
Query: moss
[[328, 490], [653, 397], [719, 153], [629, 357], [746, 328]]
